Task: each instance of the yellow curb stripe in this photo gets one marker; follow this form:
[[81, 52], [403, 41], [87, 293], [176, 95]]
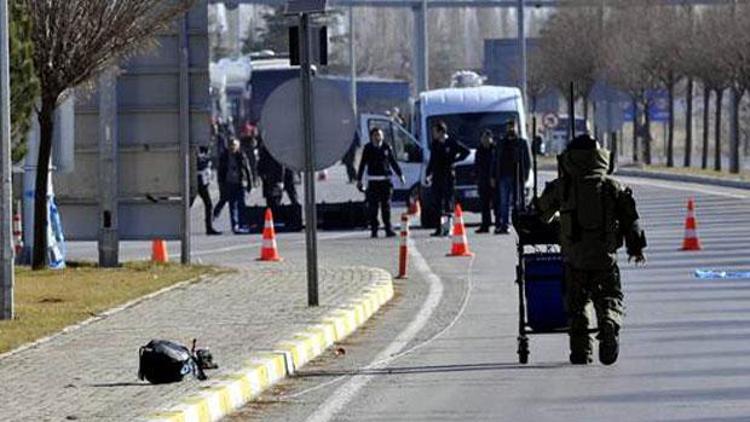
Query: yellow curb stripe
[[266, 368]]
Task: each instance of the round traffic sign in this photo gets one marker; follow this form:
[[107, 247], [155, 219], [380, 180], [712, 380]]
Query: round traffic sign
[[333, 120], [550, 120]]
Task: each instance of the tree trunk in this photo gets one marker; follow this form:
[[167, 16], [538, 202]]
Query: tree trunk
[[734, 148], [670, 126], [706, 111], [689, 125], [46, 129], [717, 130], [647, 132], [636, 130]]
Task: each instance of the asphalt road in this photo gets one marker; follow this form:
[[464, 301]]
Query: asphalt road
[[445, 348], [685, 342]]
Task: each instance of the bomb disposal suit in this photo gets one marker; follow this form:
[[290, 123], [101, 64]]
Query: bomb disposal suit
[[596, 214]]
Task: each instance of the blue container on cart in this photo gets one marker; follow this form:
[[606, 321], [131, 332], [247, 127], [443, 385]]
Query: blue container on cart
[[544, 289]]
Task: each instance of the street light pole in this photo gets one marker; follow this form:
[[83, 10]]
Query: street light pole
[[6, 199], [522, 65]]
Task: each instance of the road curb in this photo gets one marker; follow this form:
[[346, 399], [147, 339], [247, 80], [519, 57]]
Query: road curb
[[685, 178], [263, 369]]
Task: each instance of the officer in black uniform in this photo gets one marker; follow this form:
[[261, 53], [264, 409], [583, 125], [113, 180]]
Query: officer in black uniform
[[485, 181], [204, 171], [444, 153], [272, 174], [378, 158]]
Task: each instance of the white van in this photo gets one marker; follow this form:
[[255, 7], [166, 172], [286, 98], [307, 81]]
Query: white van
[[467, 112]]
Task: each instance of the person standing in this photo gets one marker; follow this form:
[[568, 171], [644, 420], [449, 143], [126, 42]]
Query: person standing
[[272, 174], [485, 179], [512, 165], [204, 174], [378, 159], [234, 173], [596, 215], [444, 153]]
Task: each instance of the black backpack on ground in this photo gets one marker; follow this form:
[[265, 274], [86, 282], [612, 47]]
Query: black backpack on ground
[[163, 361]]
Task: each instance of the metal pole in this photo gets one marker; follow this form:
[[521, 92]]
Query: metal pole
[[184, 131], [522, 65], [108, 244], [421, 51], [6, 195], [311, 218], [353, 60]]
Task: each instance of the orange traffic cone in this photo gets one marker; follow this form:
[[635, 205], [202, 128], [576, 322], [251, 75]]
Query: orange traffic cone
[[269, 251], [403, 250], [460, 242], [159, 251], [691, 241]]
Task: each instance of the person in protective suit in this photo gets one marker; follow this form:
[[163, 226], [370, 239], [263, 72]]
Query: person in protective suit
[[596, 214], [444, 153], [378, 159]]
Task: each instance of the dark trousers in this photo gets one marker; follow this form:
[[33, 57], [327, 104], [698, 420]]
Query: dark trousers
[[583, 286], [379, 198], [443, 192], [506, 197], [290, 188], [487, 196], [207, 206], [222, 200], [236, 198]]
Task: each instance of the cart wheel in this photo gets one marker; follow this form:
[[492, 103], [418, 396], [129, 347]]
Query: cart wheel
[[523, 350]]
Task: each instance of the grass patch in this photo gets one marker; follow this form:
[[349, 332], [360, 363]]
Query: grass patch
[[48, 301], [743, 176]]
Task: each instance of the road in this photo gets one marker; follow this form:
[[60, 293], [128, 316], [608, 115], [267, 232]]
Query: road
[[445, 348]]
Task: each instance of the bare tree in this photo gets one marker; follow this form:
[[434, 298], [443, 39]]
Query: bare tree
[[570, 45], [627, 61], [74, 40], [713, 70], [670, 27]]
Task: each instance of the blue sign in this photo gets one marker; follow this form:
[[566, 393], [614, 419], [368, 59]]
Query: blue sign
[[658, 109]]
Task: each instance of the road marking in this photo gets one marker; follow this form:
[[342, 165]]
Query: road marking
[[345, 393], [257, 244], [688, 187]]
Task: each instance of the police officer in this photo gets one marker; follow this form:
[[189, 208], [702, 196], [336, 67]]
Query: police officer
[[378, 159], [444, 153], [485, 182], [511, 165], [234, 174], [204, 172], [272, 174], [596, 215]]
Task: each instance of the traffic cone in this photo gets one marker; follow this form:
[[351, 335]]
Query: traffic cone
[[460, 242], [691, 241], [159, 251], [17, 232], [403, 253], [269, 251]]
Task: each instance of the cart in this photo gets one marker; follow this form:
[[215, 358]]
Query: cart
[[540, 279]]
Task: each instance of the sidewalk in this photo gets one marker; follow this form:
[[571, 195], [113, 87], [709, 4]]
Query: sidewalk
[[91, 373]]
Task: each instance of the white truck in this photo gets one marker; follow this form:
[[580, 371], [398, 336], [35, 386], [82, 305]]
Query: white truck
[[467, 112]]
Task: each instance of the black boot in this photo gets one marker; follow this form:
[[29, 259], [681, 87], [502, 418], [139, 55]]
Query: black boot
[[580, 358], [609, 343]]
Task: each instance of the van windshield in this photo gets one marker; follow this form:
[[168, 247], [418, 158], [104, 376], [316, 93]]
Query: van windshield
[[468, 127]]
